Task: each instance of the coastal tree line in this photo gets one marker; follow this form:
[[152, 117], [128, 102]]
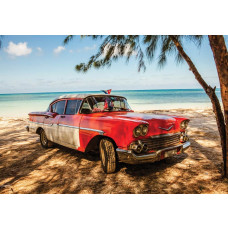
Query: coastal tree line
[[144, 47]]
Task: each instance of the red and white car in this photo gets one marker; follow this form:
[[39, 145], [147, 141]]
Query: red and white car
[[106, 122]]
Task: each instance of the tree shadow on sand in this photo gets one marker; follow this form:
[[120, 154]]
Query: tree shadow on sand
[[25, 167], [149, 168]]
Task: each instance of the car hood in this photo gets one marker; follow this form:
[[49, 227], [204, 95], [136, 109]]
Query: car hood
[[139, 117], [159, 124]]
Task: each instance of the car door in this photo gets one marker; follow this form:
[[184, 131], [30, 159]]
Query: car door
[[51, 124], [68, 125]]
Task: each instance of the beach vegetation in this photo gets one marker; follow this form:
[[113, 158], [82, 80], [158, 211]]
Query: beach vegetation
[[144, 49]]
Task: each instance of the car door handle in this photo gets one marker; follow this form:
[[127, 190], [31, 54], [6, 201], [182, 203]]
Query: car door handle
[[62, 116]]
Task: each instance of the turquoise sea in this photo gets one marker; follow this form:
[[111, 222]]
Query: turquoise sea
[[22, 103]]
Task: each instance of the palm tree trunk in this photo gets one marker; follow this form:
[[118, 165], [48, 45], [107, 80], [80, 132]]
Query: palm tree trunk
[[213, 97], [220, 53]]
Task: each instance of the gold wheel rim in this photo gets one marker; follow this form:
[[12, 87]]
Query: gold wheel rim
[[105, 146], [102, 152], [43, 138]]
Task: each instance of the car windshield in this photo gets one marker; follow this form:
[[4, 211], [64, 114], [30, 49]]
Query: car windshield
[[105, 103]]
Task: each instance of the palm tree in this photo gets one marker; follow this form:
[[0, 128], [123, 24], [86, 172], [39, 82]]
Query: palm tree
[[220, 54], [114, 47]]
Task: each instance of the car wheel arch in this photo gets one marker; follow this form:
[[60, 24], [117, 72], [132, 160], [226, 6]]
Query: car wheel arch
[[38, 130], [94, 143]]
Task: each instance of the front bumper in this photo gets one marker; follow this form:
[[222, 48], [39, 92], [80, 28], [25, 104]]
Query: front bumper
[[128, 156]]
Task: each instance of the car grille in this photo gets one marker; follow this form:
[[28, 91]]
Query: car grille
[[161, 142]]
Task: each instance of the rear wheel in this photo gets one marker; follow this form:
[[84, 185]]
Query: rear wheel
[[108, 156], [45, 143]]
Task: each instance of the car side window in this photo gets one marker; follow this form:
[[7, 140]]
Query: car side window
[[53, 107], [86, 108], [58, 107], [72, 107]]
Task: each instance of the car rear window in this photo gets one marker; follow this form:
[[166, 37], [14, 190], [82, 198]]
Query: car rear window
[[72, 107], [59, 107]]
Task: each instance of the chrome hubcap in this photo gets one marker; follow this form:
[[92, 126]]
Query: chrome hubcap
[[102, 153], [43, 138]]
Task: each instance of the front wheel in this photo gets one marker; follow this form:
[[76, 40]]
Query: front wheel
[[45, 143], [108, 156]]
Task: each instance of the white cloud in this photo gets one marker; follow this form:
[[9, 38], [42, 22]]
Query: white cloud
[[88, 48], [39, 49], [19, 49], [59, 49]]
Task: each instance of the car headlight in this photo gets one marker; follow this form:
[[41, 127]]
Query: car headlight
[[137, 131], [184, 124], [144, 130], [140, 130]]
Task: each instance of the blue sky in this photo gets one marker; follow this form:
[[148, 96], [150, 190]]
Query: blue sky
[[44, 64]]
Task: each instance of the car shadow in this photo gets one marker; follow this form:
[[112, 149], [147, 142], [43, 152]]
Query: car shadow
[[90, 155], [131, 169], [146, 169], [136, 170]]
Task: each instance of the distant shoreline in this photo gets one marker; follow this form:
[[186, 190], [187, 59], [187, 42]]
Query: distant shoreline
[[139, 100], [90, 91]]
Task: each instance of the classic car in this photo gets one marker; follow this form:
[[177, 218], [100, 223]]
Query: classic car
[[107, 124]]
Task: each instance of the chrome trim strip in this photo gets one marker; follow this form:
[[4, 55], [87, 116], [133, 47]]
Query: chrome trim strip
[[47, 124], [64, 125], [90, 129], [186, 145], [133, 158], [164, 135], [35, 122], [82, 128], [41, 123], [123, 151], [166, 129], [155, 154]]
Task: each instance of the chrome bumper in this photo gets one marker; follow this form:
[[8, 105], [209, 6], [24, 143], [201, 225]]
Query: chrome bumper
[[128, 156]]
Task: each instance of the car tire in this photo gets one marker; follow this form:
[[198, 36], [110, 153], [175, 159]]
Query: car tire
[[108, 156], [45, 143]]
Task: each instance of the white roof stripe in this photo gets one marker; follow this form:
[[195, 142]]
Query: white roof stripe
[[82, 96]]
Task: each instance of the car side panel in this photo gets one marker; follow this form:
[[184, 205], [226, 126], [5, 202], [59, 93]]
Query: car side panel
[[68, 130], [35, 122], [94, 124], [85, 137], [51, 128]]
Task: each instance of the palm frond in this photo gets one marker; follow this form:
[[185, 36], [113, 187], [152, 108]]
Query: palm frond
[[114, 47], [179, 59], [196, 39], [162, 60], [94, 37], [152, 42], [67, 39]]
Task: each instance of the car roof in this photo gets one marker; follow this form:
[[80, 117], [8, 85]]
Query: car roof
[[83, 96]]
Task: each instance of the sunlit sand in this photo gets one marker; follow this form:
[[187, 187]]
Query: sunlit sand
[[27, 168]]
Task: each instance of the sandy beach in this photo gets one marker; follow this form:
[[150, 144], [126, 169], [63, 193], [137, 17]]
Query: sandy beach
[[25, 167]]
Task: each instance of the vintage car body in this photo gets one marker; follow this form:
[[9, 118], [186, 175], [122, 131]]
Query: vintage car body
[[84, 130]]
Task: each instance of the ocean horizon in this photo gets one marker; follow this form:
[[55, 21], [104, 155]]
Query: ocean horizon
[[20, 104]]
